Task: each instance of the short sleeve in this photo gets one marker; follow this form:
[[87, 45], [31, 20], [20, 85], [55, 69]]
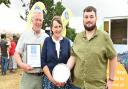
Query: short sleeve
[[110, 53], [20, 44]]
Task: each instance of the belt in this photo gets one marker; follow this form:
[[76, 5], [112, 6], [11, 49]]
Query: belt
[[36, 74]]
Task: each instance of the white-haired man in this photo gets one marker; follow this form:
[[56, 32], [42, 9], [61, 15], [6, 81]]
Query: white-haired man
[[32, 77]]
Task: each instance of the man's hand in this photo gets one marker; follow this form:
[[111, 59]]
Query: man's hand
[[109, 84], [26, 67]]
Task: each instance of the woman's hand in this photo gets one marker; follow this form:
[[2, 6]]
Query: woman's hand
[[58, 84], [53, 81]]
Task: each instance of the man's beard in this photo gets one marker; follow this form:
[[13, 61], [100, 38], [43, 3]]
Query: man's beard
[[90, 28]]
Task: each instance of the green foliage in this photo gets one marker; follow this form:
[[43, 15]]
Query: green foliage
[[70, 33], [59, 8], [6, 2], [50, 14]]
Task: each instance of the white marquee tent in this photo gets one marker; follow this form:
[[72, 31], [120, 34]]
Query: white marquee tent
[[10, 21]]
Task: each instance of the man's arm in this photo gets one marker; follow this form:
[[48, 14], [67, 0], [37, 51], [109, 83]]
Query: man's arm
[[112, 67], [18, 59], [71, 62], [22, 65]]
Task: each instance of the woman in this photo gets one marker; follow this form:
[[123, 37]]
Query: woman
[[56, 49]]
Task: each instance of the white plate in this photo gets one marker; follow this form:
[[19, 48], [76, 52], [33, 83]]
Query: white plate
[[61, 73]]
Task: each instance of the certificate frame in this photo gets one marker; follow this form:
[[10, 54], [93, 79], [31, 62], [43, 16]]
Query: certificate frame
[[33, 55]]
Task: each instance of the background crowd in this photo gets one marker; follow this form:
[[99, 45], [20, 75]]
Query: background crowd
[[7, 48]]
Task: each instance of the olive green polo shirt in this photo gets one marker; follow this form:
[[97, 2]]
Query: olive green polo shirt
[[91, 59]]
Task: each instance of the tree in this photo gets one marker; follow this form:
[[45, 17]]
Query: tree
[[59, 8], [6, 2], [50, 12], [70, 33]]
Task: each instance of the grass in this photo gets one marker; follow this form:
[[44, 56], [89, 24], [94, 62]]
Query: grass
[[10, 80]]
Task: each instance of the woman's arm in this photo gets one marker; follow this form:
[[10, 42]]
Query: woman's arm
[[48, 74]]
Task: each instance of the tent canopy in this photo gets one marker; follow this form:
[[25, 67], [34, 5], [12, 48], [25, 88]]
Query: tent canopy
[[10, 21]]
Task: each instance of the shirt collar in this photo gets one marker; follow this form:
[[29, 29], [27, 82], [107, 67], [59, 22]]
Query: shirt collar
[[84, 34], [61, 38], [41, 32]]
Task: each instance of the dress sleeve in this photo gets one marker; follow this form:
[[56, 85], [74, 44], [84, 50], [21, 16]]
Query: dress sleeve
[[44, 54]]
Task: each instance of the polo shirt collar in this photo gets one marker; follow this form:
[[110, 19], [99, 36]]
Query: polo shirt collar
[[41, 32], [84, 34]]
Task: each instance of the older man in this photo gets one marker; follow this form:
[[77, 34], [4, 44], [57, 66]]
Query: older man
[[32, 77]]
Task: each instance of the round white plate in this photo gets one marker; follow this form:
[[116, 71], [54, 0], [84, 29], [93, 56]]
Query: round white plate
[[61, 73]]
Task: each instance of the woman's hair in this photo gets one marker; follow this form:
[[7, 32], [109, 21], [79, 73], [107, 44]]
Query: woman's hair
[[56, 18]]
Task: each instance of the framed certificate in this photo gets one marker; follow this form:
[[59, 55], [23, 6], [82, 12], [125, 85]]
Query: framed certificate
[[33, 55]]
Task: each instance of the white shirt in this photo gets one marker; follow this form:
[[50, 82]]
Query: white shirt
[[57, 45]]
